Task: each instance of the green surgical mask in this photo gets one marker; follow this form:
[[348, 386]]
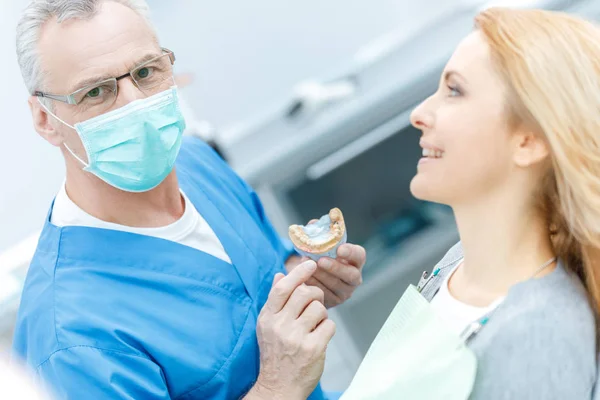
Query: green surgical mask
[[133, 148]]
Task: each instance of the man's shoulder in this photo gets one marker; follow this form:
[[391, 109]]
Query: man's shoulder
[[36, 313], [65, 303], [195, 153], [200, 166]]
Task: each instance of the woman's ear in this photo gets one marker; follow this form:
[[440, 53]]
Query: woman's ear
[[43, 124], [530, 149]]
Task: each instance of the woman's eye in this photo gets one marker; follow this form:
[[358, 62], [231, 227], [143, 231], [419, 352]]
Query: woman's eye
[[454, 91]]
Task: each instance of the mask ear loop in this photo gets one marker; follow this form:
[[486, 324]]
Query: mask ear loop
[[70, 126]]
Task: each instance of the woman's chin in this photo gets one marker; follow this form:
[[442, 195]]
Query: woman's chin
[[423, 190]]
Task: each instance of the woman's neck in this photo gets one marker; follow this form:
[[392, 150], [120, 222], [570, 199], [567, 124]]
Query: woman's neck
[[504, 243]]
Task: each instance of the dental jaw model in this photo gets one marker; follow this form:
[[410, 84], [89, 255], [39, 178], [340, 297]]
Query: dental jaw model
[[321, 238]]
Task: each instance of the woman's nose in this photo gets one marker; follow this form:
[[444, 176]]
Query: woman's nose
[[422, 117]]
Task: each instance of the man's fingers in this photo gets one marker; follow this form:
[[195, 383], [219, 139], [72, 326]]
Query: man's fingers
[[341, 289], [332, 298], [354, 254], [347, 273], [323, 333], [278, 276], [301, 298], [284, 287], [313, 315]]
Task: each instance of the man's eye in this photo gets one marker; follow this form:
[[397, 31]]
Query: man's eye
[[144, 73], [95, 92]]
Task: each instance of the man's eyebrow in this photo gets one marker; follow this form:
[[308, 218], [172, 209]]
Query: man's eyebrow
[[100, 78], [90, 82], [146, 58]]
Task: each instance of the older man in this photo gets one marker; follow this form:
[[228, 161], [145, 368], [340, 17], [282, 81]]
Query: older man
[[150, 283]]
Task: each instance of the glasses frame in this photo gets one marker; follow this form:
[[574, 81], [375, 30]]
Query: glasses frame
[[72, 99]]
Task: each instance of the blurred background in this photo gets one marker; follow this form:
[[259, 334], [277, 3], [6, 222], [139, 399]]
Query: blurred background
[[309, 102]]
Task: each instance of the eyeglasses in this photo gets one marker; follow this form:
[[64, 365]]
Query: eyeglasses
[[151, 77]]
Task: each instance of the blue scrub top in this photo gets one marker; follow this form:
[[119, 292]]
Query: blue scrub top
[[115, 315]]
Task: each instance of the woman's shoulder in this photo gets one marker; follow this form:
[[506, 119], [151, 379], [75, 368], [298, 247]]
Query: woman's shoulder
[[541, 336], [558, 298], [549, 309]]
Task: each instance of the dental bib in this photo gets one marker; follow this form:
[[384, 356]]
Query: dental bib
[[415, 356], [321, 238]]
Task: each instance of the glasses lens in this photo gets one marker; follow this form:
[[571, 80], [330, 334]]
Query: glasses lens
[[154, 75], [96, 99]]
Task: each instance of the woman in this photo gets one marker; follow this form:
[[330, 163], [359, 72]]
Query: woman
[[516, 124], [511, 141]]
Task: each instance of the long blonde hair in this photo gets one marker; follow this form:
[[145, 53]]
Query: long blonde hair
[[551, 64]]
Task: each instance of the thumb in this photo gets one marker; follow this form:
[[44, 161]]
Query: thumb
[[283, 287]]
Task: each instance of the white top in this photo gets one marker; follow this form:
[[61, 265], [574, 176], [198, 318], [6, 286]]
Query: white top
[[454, 313], [190, 230]]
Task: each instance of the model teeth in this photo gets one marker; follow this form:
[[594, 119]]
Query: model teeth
[[432, 153], [326, 240]]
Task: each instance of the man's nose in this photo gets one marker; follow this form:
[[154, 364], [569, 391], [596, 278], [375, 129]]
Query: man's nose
[[128, 92]]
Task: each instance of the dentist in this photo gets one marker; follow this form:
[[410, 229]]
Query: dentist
[[156, 266]]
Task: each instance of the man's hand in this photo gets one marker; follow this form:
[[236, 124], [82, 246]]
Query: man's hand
[[337, 278], [293, 331]]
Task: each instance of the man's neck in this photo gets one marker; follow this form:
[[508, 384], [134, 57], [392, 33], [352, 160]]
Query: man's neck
[[158, 207], [504, 243]]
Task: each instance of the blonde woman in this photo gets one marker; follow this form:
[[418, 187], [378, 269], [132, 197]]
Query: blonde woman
[[511, 141], [514, 130]]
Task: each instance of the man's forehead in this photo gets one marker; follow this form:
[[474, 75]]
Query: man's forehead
[[109, 44]]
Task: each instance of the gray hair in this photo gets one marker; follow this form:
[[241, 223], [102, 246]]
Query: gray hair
[[37, 13]]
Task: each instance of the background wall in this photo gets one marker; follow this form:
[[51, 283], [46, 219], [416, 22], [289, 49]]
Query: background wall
[[244, 56]]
